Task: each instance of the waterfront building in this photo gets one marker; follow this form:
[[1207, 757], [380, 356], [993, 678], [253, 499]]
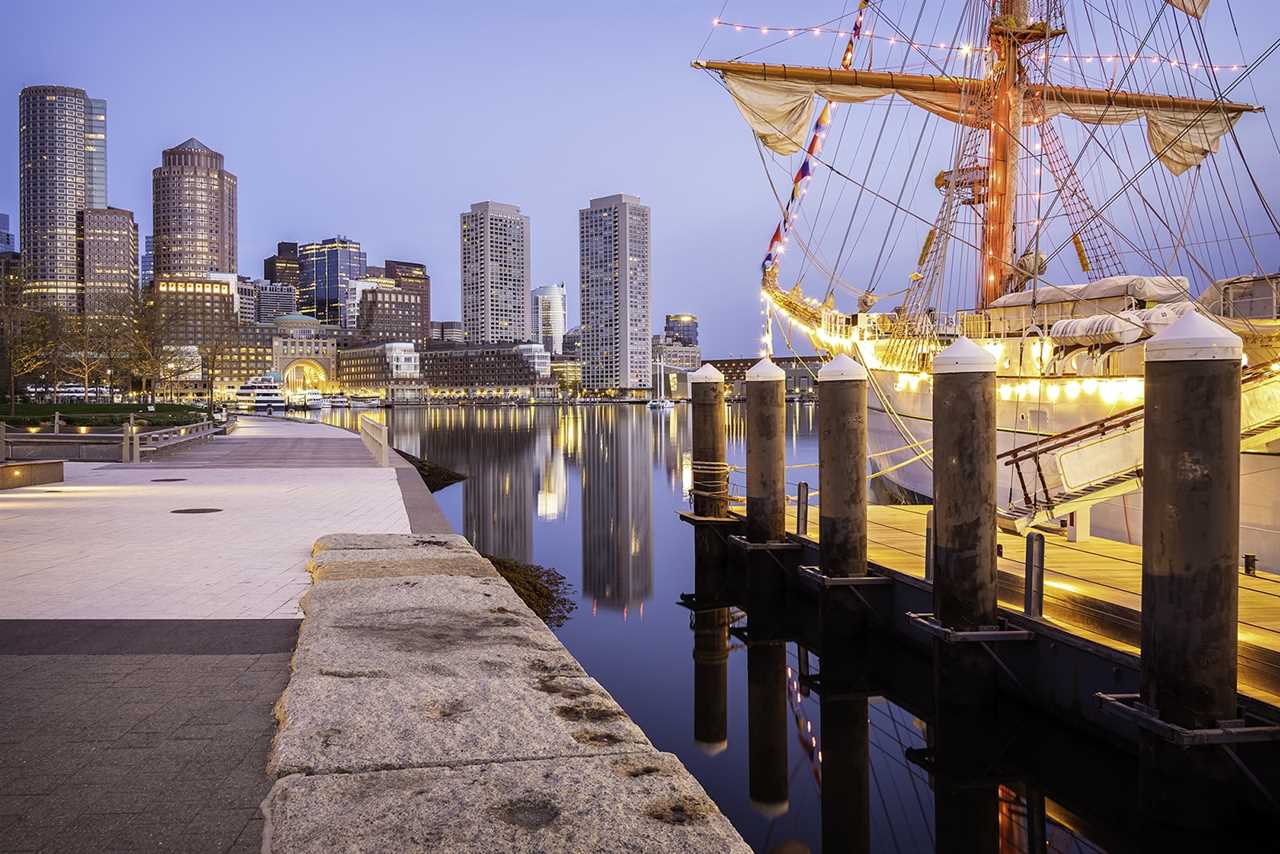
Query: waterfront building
[[567, 373], [275, 299], [10, 278], [199, 308], [283, 268], [682, 328], [53, 185], [614, 262], [572, 343], [95, 152], [108, 249], [674, 353], [412, 277], [800, 372], [349, 310], [447, 330], [147, 264], [548, 312], [327, 269], [305, 353], [482, 371], [537, 357], [378, 369], [495, 273], [8, 243], [247, 300], [617, 549], [193, 211], [391, 314]]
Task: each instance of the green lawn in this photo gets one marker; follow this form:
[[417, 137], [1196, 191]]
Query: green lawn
[[100, 414]]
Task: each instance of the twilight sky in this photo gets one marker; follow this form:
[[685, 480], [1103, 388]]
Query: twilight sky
[[383, 120]]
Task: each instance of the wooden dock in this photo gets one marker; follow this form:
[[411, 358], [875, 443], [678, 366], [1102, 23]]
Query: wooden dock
[[1093, 588]]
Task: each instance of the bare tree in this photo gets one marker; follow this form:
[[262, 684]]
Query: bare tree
[[84, 351], [26, 346], [155, 357], [221, 337]]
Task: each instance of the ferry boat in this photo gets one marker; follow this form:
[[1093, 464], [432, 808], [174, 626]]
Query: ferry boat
[[261, 394], [338, 401], [306, 399], [1085, 199]]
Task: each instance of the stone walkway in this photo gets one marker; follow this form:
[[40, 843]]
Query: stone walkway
[[142, 651], [106, 544]]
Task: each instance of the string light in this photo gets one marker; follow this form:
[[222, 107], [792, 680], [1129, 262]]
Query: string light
[[966, 49]]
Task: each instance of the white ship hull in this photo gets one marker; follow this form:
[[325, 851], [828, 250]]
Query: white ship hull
[[1118, 518]]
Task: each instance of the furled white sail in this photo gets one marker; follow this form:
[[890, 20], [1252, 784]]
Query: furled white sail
[[781, 111], [1194, 8]]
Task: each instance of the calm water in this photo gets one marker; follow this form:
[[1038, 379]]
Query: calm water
[[593, 491]]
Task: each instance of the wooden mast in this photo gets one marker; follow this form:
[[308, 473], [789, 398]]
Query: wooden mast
[[1008, 20]]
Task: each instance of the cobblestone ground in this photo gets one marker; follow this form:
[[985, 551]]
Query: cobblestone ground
[[137, 735]]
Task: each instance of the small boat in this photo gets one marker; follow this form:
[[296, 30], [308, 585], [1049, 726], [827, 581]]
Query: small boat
[[306, 399], [366, 402], [338, 402], [261, 394], [662, 401]]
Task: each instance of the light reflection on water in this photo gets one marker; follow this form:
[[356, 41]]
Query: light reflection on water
[[593, 491]]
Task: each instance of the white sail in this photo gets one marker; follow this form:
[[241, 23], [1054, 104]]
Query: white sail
[[781, 112], [1194, 8]]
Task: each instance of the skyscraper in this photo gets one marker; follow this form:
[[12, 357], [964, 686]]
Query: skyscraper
[[275, 299], [53, 184], [7, 243], [495, 273], [327, 269], [147, 265], [613, 258], [412, 277], [95, 152], [283, 267], [547, 317], [108, 259], [682, 328], [194, 211]]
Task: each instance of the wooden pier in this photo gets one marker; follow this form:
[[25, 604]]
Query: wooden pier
[[1092, 588]]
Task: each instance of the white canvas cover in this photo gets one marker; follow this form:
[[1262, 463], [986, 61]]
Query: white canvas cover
[[781, 114], [1141, 288], [1194, 8]]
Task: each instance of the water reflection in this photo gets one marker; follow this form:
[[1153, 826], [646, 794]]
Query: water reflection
[[806, 741]]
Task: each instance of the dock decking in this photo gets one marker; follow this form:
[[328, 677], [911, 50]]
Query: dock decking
[[1093, 588]]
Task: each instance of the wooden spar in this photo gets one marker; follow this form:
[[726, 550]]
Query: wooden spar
[[889, 80], [1005, 128]]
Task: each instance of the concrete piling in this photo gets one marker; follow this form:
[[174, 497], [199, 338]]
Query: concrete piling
[[710, 471], [964, 486], [842, 467], [767, 727], [964, 520], [766, 452], [1190, 559]]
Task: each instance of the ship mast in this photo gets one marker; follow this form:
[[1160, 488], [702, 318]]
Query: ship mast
[[1007, 30]]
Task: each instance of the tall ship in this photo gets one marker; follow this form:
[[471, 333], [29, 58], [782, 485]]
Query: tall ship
[[1056, 180]]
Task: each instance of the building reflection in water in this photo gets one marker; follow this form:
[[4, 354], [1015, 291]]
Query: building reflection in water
[[617, 480]]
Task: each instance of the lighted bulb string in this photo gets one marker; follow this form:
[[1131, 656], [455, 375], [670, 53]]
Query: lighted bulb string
[[965, 49]]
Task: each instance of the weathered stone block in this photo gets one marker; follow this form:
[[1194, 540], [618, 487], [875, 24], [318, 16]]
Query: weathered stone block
[[337, 723], [442, 626], [633, 802], [338, 565], [452, 542]]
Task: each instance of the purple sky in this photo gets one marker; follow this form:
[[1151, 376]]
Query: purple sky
[[383, 120]]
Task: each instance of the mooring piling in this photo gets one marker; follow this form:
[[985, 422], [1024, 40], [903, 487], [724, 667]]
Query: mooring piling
[[766, 452], [842, 467], [964, 486], [710, 468]]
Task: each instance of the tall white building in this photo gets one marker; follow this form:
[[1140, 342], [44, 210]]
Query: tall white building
[[614, 260], [547, 314], [495, 273]]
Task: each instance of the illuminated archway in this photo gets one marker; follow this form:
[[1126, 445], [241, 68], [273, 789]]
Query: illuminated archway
[[304, 374]]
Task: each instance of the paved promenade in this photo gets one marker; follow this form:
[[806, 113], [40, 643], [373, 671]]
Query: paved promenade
[[106, 544], [142, 650]]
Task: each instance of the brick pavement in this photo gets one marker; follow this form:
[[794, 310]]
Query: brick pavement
[[162, 749]]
